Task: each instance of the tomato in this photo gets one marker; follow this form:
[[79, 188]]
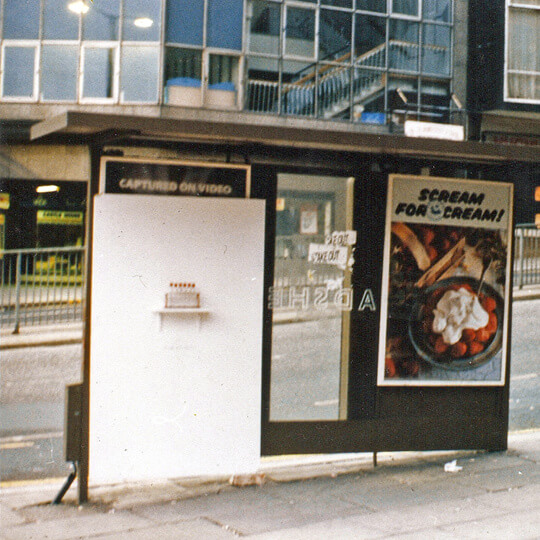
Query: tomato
[[458, 350], [389, 367], [411, 367], [440, 346], [429, 236], [482, 335], [468, 335], [475, 347], [488, 303], [492, 324], [432, 253]]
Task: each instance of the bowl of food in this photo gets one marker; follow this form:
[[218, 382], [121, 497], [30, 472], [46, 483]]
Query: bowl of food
[[454, 326]]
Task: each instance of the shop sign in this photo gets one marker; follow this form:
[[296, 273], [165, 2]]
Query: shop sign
[[174, 178], [58, 217], [433, 130], [4, 201], [446, 281]]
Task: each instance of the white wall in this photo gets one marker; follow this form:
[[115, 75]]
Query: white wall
[[180, 398]]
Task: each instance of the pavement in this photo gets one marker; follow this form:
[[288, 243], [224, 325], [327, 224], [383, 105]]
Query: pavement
[[432, 495]]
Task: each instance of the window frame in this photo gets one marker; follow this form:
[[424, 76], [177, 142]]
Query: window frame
[[29, 44], [115, 46], [512, 5]]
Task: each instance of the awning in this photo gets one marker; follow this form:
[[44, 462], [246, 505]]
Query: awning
[[243, 129]]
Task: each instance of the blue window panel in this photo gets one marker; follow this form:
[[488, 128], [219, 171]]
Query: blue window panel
[[437, 10], [225, 24], [184, 22], [98, 72], [19, 71], [21, 19], [142, 20], [59, 63], [140, 73], [59, 22], [101, 22]]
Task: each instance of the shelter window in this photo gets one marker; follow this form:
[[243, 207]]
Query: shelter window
[[59, 63], [139, 74], [141, 20], [98, 72], [224, 27], [185, 21], [59, 22], [21, 19], [101, 22], [406, 7]]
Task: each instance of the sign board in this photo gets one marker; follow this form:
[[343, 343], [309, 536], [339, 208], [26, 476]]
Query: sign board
[[446, 282], [433, 130], [59, 217], [174, 178], [4, 201]]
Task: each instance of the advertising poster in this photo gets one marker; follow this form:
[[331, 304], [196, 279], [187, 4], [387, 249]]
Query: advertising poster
[[446, 279]]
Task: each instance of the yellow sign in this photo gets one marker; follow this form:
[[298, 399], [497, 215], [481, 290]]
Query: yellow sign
[[59, 217], [2, 219], [4, 201], [280, 204]]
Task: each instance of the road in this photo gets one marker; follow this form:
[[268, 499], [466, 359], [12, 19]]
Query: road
[[32, 382]]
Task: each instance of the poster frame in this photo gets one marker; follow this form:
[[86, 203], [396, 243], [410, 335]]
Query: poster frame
[[383, 381]]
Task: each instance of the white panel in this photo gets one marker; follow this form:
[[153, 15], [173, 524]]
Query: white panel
[[180, 398]]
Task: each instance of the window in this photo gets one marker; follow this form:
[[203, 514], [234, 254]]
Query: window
[[265, 27], [436, 49], [300, 32], [21, 19], [98, 73], [139, 73], [59, 63], [403, 43], [185, 20], [224, 28], [184, 64], [437, 10], [523, 54], [372, 5], [335, 28], [59, 22], [18, 75], [101, 21], [141, 20], [406, 7], [222, 72]]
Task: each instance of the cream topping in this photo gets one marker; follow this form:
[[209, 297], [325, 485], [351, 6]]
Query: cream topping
[[455, 311]]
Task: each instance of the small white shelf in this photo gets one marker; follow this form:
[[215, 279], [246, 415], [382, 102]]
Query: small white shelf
[[180, 311]]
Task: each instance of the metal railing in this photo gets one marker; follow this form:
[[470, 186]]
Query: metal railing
[[526, 255], [41, 286]]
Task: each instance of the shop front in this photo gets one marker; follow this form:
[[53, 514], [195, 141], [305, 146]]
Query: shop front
[[253, 297]]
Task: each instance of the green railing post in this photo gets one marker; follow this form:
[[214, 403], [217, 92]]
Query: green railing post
[[18, 294]]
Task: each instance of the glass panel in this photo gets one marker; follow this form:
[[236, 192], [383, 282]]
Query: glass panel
[[263, 87], [338, 3], [101, 22], [372, 5], [437, 10], [223, 72], [139, 74], [335, 28], [59, 63], [523, 42], [141, 20], [98, 72], [19, 71], [225, 24], [403, 43], [405, 7], [300, 32], [298, 88], [435, 102], [58, 21], [369, 41], [185, 21], [21, 19], [310, 301], [264, 28], [436, 49]]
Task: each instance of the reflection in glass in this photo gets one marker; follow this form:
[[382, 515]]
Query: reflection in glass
[[335, 28], [141, 20], [21, 19], [19, 71], [300, 32], [139, 74], [185, 22], [222, 26], [98, 72], [59, 22], [405, 7], [101, 22], [265, 25], [437, 10], [310, 301], [372, 5], [403, 53], [59, 63], [436, 49]]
